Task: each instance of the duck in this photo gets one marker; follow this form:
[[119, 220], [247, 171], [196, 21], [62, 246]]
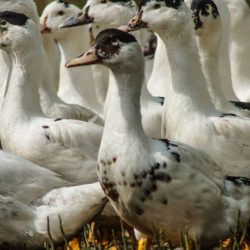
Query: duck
[[146, 180], [115, 14], [224, 50], [208, 31], [239, 47], [76, 86], [67, 147], [51, 104], [189, 115], [32, 195]]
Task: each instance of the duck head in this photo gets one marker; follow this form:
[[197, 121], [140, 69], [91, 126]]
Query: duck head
[[161, 15], [206, 17], [113, 48], [16, 29], [54, 14]]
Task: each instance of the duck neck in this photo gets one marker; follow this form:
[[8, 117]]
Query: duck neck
[[123, 117], [72, 87], [22, 90], [187, 91], [209, 51]]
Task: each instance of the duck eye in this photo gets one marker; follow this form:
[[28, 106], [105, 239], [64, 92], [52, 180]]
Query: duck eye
[[60, 13], [113, 41], [103, 1], [157, 6], [3, 23]]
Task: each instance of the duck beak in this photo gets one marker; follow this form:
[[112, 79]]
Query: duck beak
[[87, 58], [136, 23], [80, 19]]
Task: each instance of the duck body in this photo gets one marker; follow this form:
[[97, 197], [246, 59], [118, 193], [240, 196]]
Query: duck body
[[30, 193], [53, 143]]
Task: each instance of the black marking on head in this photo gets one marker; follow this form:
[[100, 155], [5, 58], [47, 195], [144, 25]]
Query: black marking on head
[[66, 4], [107, 42], [169, 3], [58, 119], [241, 105], [239, 181], [200, 7], [45, 126], [227, 114], [13, 18]]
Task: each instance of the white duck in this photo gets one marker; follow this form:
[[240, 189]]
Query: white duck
[[51, 104], [157, 184], [76, 86], [240, 47], [208, 29], [30, 194], [60, 145], [114, 14], [224, 62], [190, 116], [161, 68]]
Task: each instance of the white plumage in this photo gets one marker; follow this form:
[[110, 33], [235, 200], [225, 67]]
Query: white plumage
[[153, 184], [60, 145], [188, 107], [30, 193]]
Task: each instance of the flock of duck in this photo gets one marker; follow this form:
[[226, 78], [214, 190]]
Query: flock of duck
[[163, 142]]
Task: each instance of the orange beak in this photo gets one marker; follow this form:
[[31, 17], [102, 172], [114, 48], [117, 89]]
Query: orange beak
[[87, 58]]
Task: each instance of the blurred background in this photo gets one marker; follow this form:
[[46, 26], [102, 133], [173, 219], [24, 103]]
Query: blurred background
[[42, 3]]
